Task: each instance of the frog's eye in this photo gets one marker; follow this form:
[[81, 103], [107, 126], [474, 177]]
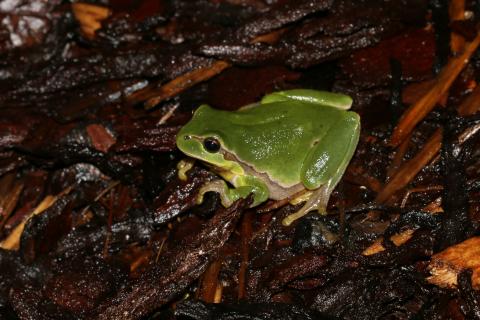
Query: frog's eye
[[211, 144]]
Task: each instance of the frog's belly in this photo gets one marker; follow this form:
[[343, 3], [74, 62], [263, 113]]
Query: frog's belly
[[277, 192]]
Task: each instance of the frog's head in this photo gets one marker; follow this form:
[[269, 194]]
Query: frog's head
[[202, 138]]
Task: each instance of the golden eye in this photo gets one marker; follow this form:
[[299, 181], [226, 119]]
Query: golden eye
[[211, 144]]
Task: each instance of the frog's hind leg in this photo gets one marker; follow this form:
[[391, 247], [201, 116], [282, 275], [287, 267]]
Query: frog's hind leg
[[317, 201], [323, 98], [325, 164]]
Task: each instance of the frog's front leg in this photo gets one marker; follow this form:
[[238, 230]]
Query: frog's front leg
[[227, 195], [244, 186], [325, 164]]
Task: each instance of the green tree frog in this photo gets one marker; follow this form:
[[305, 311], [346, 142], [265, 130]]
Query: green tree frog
[[291, 141]]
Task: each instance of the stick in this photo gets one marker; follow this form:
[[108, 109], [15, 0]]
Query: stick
[[417, 112]]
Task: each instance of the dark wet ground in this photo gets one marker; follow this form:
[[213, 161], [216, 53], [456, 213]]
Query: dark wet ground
[[122, 236]]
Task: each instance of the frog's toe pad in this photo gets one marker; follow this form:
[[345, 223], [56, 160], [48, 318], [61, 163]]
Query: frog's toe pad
[[317, 201]]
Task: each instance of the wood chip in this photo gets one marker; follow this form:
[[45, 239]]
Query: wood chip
[[101, 138], [402, 237], [10, 191], [397, 239], [445, 266], [12, 242], [271, 37], [407, 172], [89, 16]]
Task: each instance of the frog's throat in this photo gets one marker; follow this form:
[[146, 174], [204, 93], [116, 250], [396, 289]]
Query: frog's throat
[[228, 171]]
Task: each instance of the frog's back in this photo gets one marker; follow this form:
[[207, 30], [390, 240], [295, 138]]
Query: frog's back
[[276, 137]]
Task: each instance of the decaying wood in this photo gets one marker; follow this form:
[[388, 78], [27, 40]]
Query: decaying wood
[[10, 190], [445, 266], [419, 110], [407, 172]]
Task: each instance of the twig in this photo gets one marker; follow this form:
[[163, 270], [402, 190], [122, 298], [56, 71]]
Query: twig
[[417, 112], [398, 239], [411, 168], [185, 81], [168, 114], [419, 189], [398, 158], [189, 79], [209, 285]]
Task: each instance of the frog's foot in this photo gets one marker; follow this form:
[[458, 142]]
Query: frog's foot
[[183, 167], [227, 195], [317, 201], [221, 188]]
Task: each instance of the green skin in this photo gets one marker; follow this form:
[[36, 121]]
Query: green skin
[[291, 141]]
